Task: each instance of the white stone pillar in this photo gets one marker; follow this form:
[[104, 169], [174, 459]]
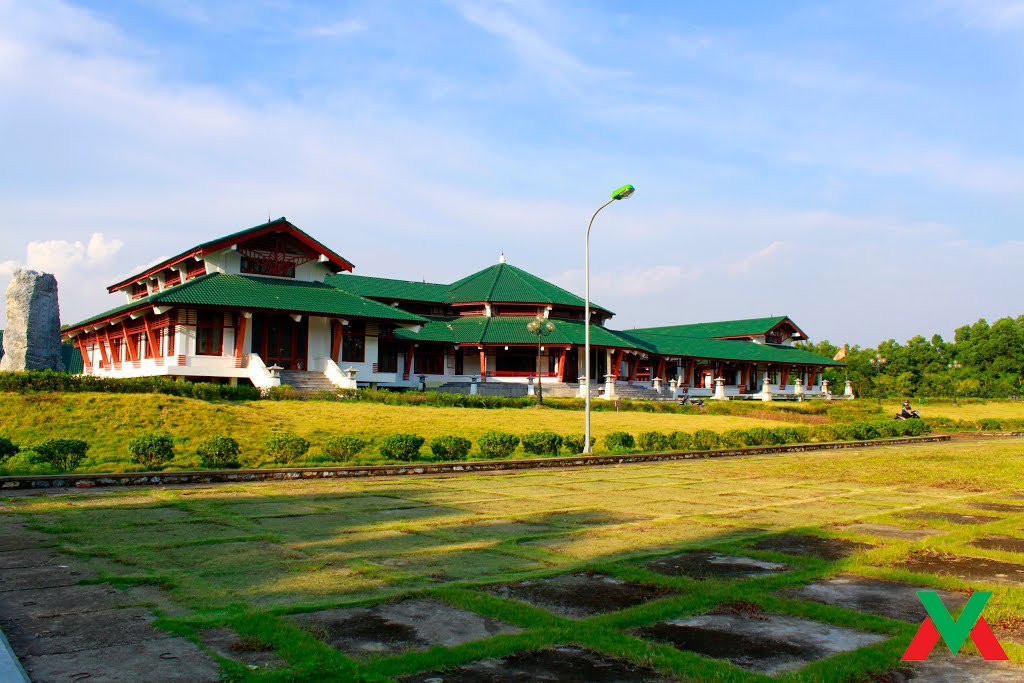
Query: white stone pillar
[[824, 390], [798, 388], [766, 389], [673, 386], [657, 384], [529, 387], [848, 391], [473, 385], [584, 387], [720, 389], [609, 386]]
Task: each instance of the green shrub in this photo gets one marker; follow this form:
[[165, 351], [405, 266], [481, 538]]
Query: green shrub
[[497, 445], [64, 455], [542, 443], [219, 452], [681, 441], [343, 446], [619, 442], [404, 447], [987, 424], [7, 449], [285, 447], [574, 443], [50, 381], [450, 447], [706, 440], [152, 451], [652, 442]]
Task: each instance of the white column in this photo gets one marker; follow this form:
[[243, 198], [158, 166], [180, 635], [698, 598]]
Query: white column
[[609, 386], [798, 388], [848, 391], [720, 389], [766, 389], [657, 384], [673, 386]]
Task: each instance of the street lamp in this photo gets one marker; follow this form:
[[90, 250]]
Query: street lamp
[[542, 328], [953, 367], [877, 362], [623, 192]]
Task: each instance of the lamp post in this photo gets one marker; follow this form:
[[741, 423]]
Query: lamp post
[[623, 192], [541, 328], [953, 367], [877, 362]]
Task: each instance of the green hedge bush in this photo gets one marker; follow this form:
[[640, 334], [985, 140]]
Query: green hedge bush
[[219, 453], [450, 447], [285, 447], [574, 443], [706, 440], [496, 445], [652, 442], [152, 451], [619, 442], [50, 381], [63, 455], [404, 447], [541, 443], [343, 446], [7, 449]]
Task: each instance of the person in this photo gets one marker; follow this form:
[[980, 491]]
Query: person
[[907, 412]]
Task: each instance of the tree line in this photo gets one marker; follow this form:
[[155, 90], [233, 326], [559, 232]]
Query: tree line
[[990, 360]]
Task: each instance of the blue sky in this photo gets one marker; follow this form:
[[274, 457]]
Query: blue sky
[[857, 166]]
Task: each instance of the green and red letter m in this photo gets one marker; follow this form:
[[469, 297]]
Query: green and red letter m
[[955, 632]]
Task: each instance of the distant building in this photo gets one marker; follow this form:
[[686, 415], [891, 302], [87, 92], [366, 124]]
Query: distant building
[[272, 305]]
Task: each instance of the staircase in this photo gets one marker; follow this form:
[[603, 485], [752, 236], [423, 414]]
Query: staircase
[[642, 393], [302, 380]]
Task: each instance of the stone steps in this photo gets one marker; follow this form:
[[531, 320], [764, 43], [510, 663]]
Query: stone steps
[[301, 380]]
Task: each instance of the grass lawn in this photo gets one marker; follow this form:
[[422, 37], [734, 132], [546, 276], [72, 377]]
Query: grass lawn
[[963, 411], [109, 421], [247, 557]]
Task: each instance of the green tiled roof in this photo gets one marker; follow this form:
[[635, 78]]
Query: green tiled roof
[[500, 283], [729, 349], [506, 283], [262, 293], [503, 329], [724, 328], [386, 288]]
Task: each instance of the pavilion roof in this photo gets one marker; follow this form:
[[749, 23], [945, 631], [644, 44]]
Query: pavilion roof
[[500, 283], [718, 329], [511, 329], [252, 292]]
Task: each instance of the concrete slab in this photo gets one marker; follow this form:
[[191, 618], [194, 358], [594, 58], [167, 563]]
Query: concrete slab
[[43, 577], [707, 565], [39, 603], [170, 660], [765, 643], [884, 598], [553, 664], [88, 630], [942, 667], [580, 595], [1010, 544], [29, 557], [954, 517], [246, 651], [967, 568], [889, 531], [813, 546], [393, 628]]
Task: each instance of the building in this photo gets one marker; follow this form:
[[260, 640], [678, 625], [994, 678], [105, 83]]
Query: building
[[272, 305]]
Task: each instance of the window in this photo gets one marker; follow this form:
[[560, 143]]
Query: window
[[387, 356], [209, 333], [266, 266], [173, 278], [429, 361], [139, 290], [353, 344], [195, 269]]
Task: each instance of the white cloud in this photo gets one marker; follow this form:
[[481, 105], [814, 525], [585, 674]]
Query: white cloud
[[61, 256], [747, 263], [994, 15], [7, 268]]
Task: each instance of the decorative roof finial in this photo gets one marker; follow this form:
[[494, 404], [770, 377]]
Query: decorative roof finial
[[501, 259]]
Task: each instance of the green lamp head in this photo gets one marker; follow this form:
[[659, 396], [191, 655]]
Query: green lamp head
[[624, 192]]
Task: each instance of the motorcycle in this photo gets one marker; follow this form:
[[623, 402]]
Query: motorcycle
[[912, 415]]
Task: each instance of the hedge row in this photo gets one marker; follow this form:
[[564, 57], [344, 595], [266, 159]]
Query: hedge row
[[154, 451], [48, 380]]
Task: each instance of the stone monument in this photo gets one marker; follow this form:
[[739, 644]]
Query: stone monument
[[32, 337]]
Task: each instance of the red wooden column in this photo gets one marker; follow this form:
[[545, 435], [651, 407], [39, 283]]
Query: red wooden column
[[745, 378], [133, 353], [616, 362], [338, 330], [113, 361], [483, 364], [812, 376], [408, 361], [104, 359], [784, 380], [634, 368], [561, 365], [153, 350], [240, 337], [84, 350], [660, 372]]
